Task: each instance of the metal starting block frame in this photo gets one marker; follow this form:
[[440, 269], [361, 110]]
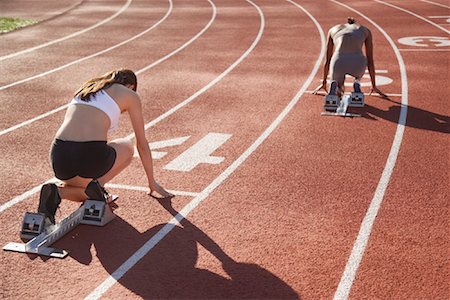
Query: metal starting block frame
[[92, 212], [347, 101]]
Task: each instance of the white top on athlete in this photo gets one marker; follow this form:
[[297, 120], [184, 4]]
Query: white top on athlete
[[105, 103]]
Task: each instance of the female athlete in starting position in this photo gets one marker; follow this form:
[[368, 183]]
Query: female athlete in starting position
[[348, 58], [81, 154]]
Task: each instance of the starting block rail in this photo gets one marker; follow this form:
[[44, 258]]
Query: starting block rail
[[352, 100], [92, 212]]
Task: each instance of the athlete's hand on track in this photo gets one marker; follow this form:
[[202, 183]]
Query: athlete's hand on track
[[322, 86], [376, 90], [157, 192]]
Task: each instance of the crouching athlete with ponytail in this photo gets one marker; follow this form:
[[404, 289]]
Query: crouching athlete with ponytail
[[81, 155]]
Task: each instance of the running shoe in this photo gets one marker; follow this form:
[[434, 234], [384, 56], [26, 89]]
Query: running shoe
[[357, 87], [95, 191], [49, 201], [333, 88]]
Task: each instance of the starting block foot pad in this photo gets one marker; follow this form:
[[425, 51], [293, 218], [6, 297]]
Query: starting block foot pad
[[331, 102], [356, 100], [32, 225]]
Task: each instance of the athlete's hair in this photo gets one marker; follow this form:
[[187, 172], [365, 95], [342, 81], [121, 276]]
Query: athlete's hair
[[351, 20], [121, 76]]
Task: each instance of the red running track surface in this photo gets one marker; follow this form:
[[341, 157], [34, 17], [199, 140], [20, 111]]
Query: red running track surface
[[290, 204]]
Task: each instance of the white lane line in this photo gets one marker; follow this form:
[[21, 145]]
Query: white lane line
[[5, 131], [137, 72], [437, 4], [127, 4], [21, 198], [127, 265], [351, 268], [414, 14], [145, 189], [92, 55]]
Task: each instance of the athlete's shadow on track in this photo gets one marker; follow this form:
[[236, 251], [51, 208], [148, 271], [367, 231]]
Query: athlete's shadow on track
[[169, 270], [416, 117]]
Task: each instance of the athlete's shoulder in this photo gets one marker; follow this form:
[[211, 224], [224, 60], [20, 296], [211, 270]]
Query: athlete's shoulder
[[335, 29]]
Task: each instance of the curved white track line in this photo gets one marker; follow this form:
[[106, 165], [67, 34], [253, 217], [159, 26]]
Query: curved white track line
[[127, 4], [362, 239], [127, 265], [213, 17], [413, 14], [434, 3], [92, 55]]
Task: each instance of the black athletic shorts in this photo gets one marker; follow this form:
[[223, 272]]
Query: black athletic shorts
[[85, 159]]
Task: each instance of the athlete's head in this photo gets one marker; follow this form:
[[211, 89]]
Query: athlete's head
[[122, 76], [351, 20]]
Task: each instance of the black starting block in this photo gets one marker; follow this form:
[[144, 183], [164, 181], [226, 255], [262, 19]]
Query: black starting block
[[41, 234]]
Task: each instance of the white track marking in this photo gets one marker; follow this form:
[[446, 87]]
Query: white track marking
[[5, 131], [137, 72], [145, 189], [437, 4], [127, 4], [351, 268], [199, 153], [127, 265], [92, 55], [413, 14]]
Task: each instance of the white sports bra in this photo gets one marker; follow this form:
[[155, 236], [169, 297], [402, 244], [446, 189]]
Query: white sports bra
[[105, 103]]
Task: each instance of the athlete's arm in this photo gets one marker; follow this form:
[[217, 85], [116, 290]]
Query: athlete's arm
[[326, 67], [137, 121], [371, 64]]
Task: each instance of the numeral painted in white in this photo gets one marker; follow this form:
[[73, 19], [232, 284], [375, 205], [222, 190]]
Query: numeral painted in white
[[163, 144], [425, 41], [199, 153]]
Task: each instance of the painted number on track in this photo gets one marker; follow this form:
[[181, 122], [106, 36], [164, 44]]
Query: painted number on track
[[199, 153], [425, 41]]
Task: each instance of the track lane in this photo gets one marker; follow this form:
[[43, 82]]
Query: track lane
[[404, 258], [43, 45], [134, 21], [55, 28]]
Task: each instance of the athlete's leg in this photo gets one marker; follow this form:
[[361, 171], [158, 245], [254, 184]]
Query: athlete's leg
[[74, 188], [124, 155]]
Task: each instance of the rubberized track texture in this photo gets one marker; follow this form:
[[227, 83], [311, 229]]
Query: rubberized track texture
[[272, 200]]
